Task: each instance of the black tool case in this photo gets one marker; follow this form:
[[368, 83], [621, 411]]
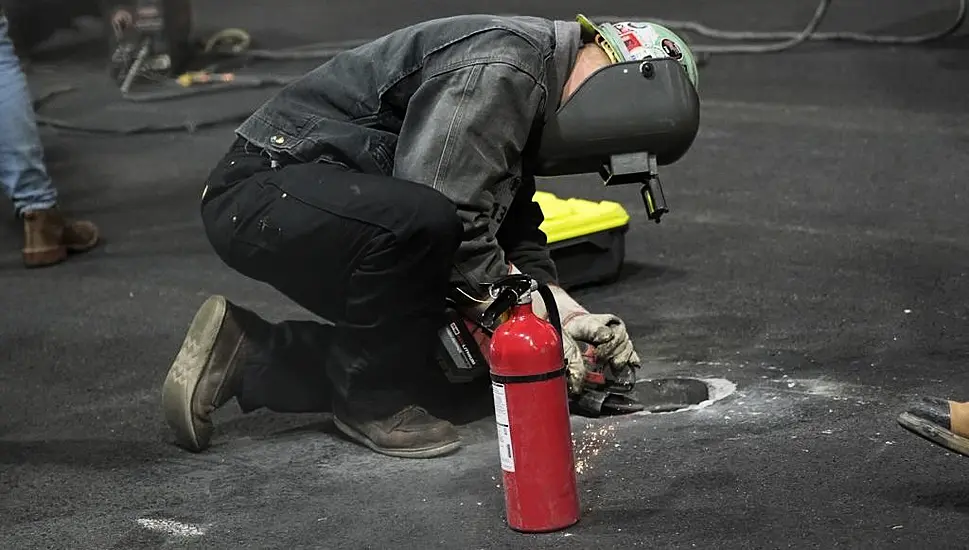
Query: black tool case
[[587, 239]]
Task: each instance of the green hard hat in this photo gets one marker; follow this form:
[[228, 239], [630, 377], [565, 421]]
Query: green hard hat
[[639, 40]]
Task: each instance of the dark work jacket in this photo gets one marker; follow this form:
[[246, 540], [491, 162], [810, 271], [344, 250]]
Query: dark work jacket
[[452, 103]]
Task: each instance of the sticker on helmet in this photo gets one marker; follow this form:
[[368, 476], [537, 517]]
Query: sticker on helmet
[[631, 41], [671, 49]]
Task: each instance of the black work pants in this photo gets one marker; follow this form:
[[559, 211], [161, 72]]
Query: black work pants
[[370, 254]]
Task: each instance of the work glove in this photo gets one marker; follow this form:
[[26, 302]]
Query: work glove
[[606, 333], [575, 362]]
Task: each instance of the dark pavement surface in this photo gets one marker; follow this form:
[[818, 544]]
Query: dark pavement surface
[[816, 257]]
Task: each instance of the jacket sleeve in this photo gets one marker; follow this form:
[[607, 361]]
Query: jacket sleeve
[[524, 243], [464, 131]]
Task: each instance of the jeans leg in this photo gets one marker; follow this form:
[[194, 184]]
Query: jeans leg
[[23, 175]]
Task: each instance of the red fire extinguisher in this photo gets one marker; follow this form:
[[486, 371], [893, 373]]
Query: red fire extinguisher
[[529, 382]]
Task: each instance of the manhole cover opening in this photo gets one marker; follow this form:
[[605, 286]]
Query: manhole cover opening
[[670, 394]]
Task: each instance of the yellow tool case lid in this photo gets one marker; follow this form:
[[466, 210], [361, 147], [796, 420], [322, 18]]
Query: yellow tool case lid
[[570, 218]]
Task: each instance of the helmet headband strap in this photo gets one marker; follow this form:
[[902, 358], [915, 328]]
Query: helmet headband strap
[[606, 47]]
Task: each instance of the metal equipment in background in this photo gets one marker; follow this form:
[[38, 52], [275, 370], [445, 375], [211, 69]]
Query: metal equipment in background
[[148, 39]]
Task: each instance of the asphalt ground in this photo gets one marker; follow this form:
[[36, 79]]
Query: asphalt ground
[[815, 260]]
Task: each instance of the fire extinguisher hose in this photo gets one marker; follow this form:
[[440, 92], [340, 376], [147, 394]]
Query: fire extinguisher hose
[[553, 312]]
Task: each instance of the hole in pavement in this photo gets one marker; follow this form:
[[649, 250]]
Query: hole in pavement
[[657, 395], [671, 394]]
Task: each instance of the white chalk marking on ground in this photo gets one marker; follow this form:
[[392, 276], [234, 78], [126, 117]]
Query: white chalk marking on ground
[[821, 387], [173, 528]]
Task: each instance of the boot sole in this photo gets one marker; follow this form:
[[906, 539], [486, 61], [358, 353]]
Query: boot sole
[[53, 256], [934, 433], [45, 257], [178, 391], [423, 452]]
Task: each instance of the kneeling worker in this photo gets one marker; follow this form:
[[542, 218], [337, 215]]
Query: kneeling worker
[[368, 189]]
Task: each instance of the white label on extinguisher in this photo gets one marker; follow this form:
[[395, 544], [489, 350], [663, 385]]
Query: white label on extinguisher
[[501, 404], [506, 452]]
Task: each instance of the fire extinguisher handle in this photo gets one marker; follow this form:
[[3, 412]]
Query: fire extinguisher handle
[[505, 293], [502, 302], [513, 288]]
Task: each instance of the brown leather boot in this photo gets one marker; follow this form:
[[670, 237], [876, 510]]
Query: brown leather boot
[[48, 237], [204, 374], [410, 433]]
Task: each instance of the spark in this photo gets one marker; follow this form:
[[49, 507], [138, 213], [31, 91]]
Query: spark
[[590, 443]]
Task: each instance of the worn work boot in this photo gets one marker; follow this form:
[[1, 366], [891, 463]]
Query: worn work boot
[[204, 375], [940, 421], [48, 237], [410, 433]]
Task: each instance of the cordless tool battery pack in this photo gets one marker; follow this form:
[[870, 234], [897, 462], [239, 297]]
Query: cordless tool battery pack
[[587, 239]]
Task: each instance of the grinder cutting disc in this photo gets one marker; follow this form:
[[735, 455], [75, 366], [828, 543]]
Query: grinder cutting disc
[[597, 403], [618, 403]]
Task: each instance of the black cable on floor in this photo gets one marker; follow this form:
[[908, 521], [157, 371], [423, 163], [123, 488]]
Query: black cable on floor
[[234, 43]]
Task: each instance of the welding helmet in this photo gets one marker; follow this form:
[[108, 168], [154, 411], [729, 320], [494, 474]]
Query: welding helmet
[[640, 40]]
